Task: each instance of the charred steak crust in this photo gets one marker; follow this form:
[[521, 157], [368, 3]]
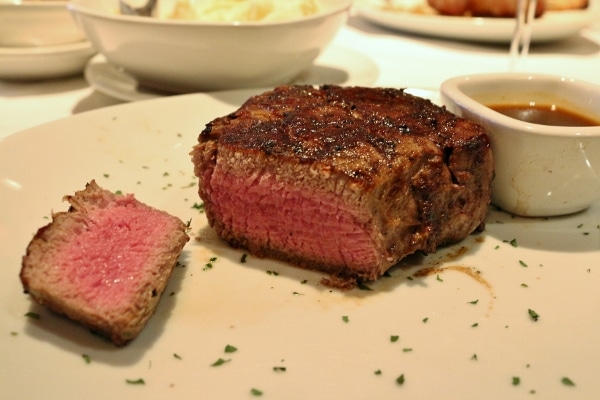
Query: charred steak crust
[[345, 180]]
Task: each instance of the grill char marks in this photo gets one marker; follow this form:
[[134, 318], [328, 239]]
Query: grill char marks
[[343, 180]]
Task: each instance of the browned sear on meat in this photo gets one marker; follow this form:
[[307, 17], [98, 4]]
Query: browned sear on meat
[[347, 181]]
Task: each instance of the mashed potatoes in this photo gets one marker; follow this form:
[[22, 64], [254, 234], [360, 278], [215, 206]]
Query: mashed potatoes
[[241, 10]]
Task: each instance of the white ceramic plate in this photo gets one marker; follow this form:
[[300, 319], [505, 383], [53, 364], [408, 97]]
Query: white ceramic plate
[[463, 329], [551, 26], [26, 63], [337, 65]]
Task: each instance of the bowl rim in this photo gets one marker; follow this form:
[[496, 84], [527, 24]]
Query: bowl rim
[[453, 90], [81, 7]]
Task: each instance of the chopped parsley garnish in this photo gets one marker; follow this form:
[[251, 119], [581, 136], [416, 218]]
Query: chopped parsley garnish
[[475, 325], [425, 319], [523, 263], [199, 207], [177, 356], [513, 243], [534, 316], [400, 380], [362, 286], [474, 357], [345, 318], [256, 392], [244, 257], [394, 338], [378, 372], [139, 381], [407, 349], [32, 315], [219, 362], [192, 184], [437, 278], [524, 285], [567, 382], [230, 349], [474, 301], [516, 381], [279, 369], [274, 273], [209, 264], [304, 281], [86, 358]]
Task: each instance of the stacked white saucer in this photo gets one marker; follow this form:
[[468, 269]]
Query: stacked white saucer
[[40, 40]]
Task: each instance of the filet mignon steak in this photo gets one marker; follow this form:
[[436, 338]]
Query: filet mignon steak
[[344, 180]]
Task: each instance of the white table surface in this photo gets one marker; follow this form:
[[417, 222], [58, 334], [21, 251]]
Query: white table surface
[[403, 60]]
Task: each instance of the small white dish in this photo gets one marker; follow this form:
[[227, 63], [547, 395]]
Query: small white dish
[[541, 170], [31, 23], [44, 62], [337, 65], [553, 25]]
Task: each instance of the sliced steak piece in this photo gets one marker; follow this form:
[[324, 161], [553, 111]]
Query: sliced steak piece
[[343, 180], [105, 262]]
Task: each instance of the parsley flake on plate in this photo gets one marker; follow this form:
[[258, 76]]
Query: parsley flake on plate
[[32, 315], [219, 362], [567, 382], [400, 380], [534, 316], [230, 349]]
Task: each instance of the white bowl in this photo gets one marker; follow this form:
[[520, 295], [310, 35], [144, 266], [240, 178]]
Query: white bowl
[[37, 23], [185, 56], [540, 170]]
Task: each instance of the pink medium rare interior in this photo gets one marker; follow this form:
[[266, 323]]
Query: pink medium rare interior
[[106, 261], [315, 226]]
